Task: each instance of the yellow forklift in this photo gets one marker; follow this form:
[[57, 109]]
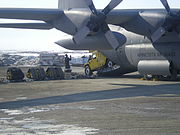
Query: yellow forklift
[[96, 62]]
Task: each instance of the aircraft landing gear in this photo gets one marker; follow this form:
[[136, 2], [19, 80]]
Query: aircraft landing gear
[[172, 77], [152, 77]]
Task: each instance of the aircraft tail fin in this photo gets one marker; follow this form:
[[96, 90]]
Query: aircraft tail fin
[[69, 4]]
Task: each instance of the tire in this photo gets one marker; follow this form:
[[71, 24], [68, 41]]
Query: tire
[[51, 73], [59, 72], [88, 71], [109, 64], [15, 74]]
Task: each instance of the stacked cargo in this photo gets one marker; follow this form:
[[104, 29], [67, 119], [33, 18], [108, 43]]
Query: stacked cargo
[[36, 74], [15, 74], [51, 59], [54, 73]]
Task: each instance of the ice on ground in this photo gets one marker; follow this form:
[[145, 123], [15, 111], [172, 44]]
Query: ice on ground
[[36, 126], [28, 110]]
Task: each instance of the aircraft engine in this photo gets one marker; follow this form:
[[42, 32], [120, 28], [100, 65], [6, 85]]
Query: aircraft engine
[[170, 22], [88, 22], [90, 43], [154, 67], [97, 42]]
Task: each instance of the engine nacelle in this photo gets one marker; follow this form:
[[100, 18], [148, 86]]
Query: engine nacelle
[[89, 43], [96, 42], [154, 67]]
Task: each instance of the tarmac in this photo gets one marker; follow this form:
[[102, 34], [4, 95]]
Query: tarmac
[[101, 106]]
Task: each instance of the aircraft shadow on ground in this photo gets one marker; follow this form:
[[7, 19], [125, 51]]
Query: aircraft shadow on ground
[[136, 76], [132, 91]]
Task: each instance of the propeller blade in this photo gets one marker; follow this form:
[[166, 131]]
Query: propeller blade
[[99, 24], [166, 5], [91, 6], [111, 6], [158, 34], [112, 39], [81, 34]]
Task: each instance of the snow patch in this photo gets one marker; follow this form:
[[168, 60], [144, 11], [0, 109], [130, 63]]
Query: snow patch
[[32, 110], [33, 125], [21, 98]]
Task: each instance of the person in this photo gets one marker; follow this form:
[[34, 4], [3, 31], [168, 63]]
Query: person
[[90, 58], [67, 65]]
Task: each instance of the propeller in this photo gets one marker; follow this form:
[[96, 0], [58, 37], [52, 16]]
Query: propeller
[[166, 5], [169, 24], [97, 22]]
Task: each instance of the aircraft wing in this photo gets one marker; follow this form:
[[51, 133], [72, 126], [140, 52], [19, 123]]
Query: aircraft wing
[[122, 16], [30, 14], [42, 26], [46, 15], [156, 24]]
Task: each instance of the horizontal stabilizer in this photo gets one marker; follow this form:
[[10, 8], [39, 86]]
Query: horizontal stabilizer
[[43, 26]]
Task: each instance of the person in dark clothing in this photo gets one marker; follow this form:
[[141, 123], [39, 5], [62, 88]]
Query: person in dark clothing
[[90, 58], [67, 65]]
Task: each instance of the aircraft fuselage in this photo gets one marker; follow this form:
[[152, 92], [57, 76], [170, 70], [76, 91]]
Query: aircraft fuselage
[[139, 48]]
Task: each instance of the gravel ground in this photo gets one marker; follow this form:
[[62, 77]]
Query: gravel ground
[[101, 106]]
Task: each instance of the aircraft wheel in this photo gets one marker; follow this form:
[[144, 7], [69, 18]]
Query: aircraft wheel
[[88, 71], [109, 64], [147, 77]]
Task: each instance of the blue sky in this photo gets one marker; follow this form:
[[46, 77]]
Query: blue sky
[[11, 39]]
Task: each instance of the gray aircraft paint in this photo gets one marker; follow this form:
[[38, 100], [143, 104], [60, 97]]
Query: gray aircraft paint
[[133, 29], [129, 55]]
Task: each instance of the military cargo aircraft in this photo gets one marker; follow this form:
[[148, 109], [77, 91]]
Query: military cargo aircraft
[[144, 40]]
